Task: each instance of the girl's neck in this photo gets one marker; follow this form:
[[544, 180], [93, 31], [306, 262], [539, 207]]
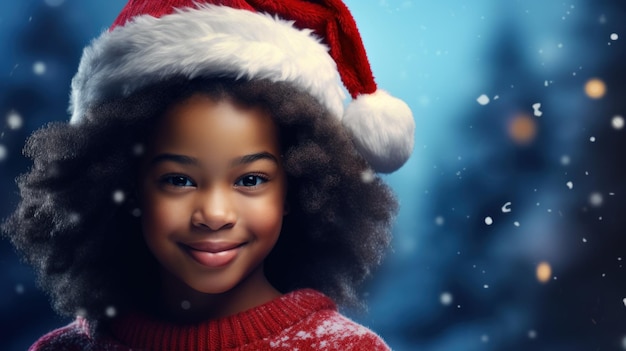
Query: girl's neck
[[183, 305]]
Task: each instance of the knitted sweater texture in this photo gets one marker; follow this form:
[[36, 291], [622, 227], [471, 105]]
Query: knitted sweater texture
[[301, 320]]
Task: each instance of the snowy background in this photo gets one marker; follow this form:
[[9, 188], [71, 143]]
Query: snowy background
[[511, 234]]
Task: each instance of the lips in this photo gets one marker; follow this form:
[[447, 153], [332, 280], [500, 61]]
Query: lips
[[213, 254]]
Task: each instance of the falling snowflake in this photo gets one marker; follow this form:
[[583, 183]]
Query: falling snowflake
[[617, 122], [536, 111], [367, 176], [506, 208], [488, 220], [592, 139], [118, 196], [570, 185], [483, 99], [14, 120], [439, 220], [565, 160], [110, 312], [595, 199], [532, 334], [445, 298], [614, 36], [185, 305], [39, 68], [516, 223]]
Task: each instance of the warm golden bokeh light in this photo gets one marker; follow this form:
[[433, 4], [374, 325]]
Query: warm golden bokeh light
[[595, 88], [522, 129], [544, 272]]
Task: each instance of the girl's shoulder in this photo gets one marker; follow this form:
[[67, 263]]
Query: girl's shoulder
[[72, 337], [327, 329], [330, 330]]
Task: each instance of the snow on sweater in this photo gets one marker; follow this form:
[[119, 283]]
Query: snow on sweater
[[301, 320]]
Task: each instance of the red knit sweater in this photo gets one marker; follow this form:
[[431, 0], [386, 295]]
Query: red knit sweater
[[301, 320]]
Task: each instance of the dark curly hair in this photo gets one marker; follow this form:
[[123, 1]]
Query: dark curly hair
[[77, 222]]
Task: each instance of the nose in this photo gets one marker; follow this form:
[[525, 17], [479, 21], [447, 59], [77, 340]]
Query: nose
[[214, 210]]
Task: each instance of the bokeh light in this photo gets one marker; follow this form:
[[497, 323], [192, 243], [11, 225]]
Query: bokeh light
[[544, 272], [595, 88], [522, 129]]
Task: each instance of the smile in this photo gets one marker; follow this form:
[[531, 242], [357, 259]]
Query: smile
[[213, 254]]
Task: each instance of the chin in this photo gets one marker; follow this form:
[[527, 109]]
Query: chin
[[213, 289]]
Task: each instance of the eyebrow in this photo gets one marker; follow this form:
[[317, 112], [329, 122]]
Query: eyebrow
[[182, 159], [187, 160], [254, 157]]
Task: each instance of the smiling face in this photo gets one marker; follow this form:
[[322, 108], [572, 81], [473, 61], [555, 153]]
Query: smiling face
[[212, 194]]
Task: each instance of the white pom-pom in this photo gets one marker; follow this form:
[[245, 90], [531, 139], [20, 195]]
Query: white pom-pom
[[382, 127]]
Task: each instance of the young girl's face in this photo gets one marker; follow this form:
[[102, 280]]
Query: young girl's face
[[212, 193]]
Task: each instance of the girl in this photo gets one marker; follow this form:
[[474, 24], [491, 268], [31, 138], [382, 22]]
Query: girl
[[209, 193]]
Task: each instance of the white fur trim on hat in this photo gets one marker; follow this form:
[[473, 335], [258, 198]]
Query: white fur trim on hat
[[207, 41], [383, 129]]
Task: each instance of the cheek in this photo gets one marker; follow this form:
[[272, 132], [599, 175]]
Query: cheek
[[160, 224], [265, 217], [160, 217]]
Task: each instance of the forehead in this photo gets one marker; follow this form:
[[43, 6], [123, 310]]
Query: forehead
[[201, 124]]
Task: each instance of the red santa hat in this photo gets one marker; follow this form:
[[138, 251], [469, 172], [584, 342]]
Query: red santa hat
[[315, 45]]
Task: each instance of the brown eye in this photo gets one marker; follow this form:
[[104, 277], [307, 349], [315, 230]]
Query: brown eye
[[250, 180], [178, 181]]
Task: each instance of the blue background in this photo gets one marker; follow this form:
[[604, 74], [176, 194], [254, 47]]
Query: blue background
[[452, 281]]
